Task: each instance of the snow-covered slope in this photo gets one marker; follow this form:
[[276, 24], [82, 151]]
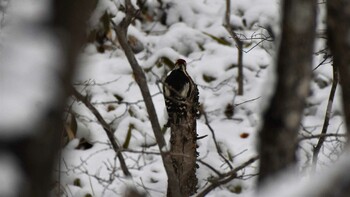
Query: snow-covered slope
[[192, 30]]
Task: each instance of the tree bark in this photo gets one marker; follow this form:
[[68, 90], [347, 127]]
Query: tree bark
[[183, 146], [278, 136], [37, 152], [338, 30], [322, 138]]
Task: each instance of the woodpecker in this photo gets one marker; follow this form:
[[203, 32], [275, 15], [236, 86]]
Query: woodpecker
[[177, 88]]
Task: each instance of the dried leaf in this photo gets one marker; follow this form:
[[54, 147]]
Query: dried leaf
[[230, 156], [77, 182], [73, 125], [168, 62], [118, 97], [84, 144], [244, 135], [229, 110], [128, 136], [110, 108], [208, 78], [218, 40]]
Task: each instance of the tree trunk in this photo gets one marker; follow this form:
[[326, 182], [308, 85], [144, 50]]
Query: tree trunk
[[282, 119], [36, 151], [338, 26], [338, 30], [183, 146]]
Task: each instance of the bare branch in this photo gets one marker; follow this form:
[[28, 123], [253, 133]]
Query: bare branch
[[214, 138], [327, 116], [140, 78], [210, 167], [227, 177], [106, 128], [239, 44], [247, 101], [321, 136]]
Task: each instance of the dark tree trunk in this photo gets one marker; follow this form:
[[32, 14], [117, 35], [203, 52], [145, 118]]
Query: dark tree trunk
[[338, 26], [338, 30], [183, 146], [278, 142], [37, 152]]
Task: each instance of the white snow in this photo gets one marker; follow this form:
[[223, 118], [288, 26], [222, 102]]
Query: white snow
[[192, 31], [11, 176], [187, 37]]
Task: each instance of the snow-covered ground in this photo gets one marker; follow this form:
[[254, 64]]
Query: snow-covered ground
[[194, 31], [107, 77]]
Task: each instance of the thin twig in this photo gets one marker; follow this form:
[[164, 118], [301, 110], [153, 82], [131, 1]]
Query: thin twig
[[321, 135], [247, 101], [239, 44], [322, 62], [210, 167], [125, 102], [227, 177], [140, 151], [218, 149], [92, 82], [327, 117]]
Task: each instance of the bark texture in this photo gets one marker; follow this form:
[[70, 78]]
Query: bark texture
[[183, 146], [278, 135], [338, 29]]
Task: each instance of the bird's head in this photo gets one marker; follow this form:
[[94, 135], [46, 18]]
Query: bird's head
[[180, 64]]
